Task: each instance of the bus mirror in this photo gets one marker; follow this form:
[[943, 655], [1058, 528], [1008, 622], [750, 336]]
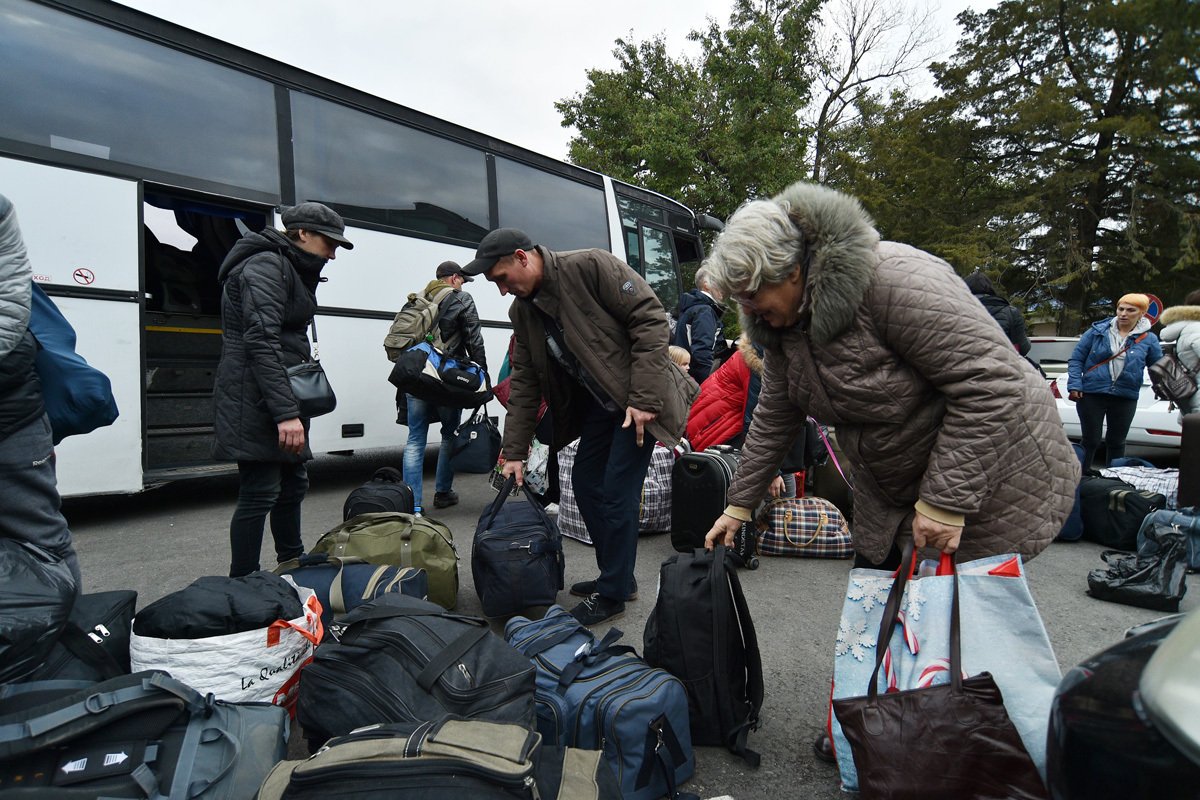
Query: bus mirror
[[709, 222]]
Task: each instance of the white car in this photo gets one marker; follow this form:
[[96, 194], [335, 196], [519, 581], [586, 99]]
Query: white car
[[1155, 423]]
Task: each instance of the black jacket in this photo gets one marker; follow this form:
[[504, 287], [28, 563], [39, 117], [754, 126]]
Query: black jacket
[[458, 325], [698, 330], [1010, 320], [20, 391], [269, 294]]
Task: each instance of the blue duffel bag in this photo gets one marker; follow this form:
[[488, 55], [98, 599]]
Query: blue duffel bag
[[345, 583], [598, 695], [1185, 520]]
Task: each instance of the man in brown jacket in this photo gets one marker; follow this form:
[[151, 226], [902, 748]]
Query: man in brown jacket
[[591, 337]]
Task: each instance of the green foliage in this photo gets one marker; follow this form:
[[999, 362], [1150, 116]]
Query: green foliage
[[712, 131], [1061, 154]]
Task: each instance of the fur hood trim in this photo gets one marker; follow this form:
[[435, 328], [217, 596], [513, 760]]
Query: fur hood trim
[[840, 240], [1180, 314], [753, 360]]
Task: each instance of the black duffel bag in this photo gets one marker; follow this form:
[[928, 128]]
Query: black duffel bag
[[216, 605], [400, 659], [94, 644], [517, 558], [1113, 510]]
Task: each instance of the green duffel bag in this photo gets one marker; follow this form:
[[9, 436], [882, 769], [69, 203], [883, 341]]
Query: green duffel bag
[[403, 540], [445, 759]]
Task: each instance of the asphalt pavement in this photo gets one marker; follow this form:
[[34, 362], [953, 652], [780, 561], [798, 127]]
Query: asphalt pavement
[[163, 539]]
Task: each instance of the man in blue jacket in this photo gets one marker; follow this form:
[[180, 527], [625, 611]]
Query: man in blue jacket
[[699, 329]]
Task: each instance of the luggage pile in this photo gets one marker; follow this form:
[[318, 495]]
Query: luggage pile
[[654, 511]]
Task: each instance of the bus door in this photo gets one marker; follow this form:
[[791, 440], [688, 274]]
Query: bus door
[[81, 233], [184, 240]]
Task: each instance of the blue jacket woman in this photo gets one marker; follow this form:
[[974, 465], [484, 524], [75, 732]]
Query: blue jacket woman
[[1105, 372]]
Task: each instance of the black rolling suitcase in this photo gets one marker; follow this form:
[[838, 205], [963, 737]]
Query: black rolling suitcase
[[699, 484], [1189, 461]]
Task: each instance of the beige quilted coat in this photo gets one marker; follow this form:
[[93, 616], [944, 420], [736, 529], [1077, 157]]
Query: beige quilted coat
[[928, 397]]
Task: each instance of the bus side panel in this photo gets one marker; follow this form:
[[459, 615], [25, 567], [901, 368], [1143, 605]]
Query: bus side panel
[[353, 358], [80, 229], [107, 460]]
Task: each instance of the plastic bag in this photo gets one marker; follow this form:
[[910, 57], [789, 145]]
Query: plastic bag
[[254, 666], [1155, 577]]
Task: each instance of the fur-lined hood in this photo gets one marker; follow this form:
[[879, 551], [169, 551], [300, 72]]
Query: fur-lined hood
[[839, 257], [1180, 314], [753, 359]]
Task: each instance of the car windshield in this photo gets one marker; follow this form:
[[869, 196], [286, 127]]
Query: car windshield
[[1051, 351]]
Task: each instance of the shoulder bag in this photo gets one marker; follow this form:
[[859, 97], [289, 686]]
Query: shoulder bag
[[314, 396]]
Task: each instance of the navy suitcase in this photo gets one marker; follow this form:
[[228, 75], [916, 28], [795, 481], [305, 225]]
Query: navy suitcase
[[597, 695], [345, 583]]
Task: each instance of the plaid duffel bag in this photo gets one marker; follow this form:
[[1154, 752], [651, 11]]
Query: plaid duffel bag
[[804, 526]]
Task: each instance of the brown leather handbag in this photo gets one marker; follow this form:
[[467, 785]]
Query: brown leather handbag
[[952, 741]]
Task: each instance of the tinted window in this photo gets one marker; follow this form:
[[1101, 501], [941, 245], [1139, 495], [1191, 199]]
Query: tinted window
[[375, 170], [77, 86], [660, 270], [555, 211]]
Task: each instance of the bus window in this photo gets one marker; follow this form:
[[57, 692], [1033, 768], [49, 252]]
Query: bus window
[[631, 211], [558, 212], [659, 262], [373, 170], [687, 250], [79, 87]]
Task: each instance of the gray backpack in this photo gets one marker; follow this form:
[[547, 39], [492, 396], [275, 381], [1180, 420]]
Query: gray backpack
[[144, 735], [416, 323]]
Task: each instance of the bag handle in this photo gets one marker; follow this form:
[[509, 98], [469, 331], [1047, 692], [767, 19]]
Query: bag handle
[[891, 611], [832, 455], [489, 514], [821, 523]]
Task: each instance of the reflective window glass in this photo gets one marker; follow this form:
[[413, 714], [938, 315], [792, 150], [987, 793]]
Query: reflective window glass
[[375, 170], [659, 265], [73, 85], [555, 211]]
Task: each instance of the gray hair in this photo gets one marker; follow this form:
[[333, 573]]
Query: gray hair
[[760, 244], [702, 277]]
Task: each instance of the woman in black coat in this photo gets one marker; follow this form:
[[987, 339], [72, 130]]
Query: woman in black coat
[[269, 295]]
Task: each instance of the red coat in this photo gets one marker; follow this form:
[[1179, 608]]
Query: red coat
[[717, 414]]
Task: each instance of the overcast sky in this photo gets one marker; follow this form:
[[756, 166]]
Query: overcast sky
[[496, 66]]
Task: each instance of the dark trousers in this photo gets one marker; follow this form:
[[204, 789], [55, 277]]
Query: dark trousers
[[607, 478], [1092, 410], [267, 487]]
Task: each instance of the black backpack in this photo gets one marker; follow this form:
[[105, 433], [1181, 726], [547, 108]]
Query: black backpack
[[701, 632], [1170, 379], [517, 558], [1113, 510], [386, 491]]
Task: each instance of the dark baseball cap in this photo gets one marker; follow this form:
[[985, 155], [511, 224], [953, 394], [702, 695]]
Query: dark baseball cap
[[316, 217], [448, 268], [495, 246]]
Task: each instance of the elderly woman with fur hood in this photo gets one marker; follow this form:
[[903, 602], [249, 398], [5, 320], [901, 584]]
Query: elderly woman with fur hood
[[1181, 329], [953, 437]]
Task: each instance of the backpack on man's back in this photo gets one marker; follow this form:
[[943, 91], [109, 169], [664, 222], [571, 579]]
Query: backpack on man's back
[[416, 323]]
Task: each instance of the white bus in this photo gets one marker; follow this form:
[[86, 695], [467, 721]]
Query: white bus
[[137, 151]]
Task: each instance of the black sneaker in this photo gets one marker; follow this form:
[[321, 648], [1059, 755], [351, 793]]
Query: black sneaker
[[445, 499], [597, 608], [585, 588]]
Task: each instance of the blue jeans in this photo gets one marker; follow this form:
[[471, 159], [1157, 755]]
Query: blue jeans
[[30, 491], [607, 478], [420, 415], [267, 487], [1092, 410]]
